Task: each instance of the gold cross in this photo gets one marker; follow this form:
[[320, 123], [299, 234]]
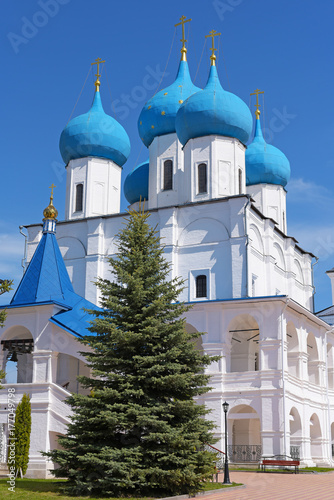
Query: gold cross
[[183, 20], [257, 105], [212, 34], [97, 83], [51, 187]]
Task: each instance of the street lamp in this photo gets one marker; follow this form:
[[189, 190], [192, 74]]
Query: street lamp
[[226, 471]]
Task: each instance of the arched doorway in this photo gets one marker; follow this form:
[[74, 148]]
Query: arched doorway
[[198, 342], [315, 438], [244, 334], [245, 435], [295, 433]]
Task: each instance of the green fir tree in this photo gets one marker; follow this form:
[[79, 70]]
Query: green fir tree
[[139, 432], [5, 286], [22, 430]]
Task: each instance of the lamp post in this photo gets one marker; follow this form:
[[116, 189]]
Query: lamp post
[[226, 471]]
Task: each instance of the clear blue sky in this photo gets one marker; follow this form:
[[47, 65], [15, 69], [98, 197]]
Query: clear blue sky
[[283, 47]]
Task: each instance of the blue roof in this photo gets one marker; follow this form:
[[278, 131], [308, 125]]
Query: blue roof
[[213, 111], [46, 281], [136, 183], [265, 164], [95, 134], [76, 320], [46, 277], [158, 115]]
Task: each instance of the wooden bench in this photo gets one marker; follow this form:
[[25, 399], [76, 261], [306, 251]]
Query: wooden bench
[[281, 462]]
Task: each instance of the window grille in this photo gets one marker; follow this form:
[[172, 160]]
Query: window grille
[[240, 181], [201, 286], [168, 175], [202, 178], [79, 198]]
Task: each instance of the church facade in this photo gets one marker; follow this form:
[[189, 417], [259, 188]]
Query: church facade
[[218, 201]]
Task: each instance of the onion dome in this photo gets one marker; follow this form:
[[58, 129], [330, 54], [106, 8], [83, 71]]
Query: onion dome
[[213, 111], [50, 212], [95, 134], [136, 183], [50, 215], [265, 164], [158, 115]]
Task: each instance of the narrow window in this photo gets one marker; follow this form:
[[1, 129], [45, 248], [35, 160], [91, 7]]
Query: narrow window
[[254, 278], [78, 197], [240, 181], [201, 286], [168, 175], [202, 178]]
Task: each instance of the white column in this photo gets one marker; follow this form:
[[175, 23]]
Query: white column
[[42, 371]]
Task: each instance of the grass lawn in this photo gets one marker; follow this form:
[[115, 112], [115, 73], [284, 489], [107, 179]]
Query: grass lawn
[[48, 489], [218, 486], [317, 469], [38, 489]]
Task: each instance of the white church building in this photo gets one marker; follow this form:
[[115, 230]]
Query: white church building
[[218, 199]]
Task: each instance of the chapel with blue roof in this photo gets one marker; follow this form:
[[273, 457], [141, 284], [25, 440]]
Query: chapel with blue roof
[[216, 192]]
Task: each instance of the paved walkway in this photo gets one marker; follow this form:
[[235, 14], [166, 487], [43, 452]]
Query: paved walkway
[[273, 486]]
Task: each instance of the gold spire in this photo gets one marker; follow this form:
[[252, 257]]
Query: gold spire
[[97, 83], [50, 212], [183, 20], [257, 105], [212, 34]]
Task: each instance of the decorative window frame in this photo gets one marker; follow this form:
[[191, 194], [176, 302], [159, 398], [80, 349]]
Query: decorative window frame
[[206, 194], [162, 174], [76, 184], [192, 284]]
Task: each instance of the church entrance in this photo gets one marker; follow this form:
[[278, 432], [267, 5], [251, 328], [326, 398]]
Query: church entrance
[[246, 435], [295, 433], [316, 438]]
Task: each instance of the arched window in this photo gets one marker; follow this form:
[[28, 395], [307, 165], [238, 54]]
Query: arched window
[[240, 181], [201, 286], [168, 175], [79, 198], [202, 178]]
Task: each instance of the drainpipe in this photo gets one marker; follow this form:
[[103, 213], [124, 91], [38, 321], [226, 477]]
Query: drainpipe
[[283, 374], [247, 243], [313, 286], [25, 249]]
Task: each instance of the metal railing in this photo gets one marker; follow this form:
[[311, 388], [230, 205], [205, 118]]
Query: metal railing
[[244, 452], [295, 452], [220, 456]]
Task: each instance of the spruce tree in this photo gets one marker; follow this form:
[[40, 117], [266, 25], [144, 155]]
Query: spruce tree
[[5, 286], [139, 431], [21, 437]]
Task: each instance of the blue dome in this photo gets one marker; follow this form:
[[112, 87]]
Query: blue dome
[[213, 111], [158, 114], [265, 164], [95, 134], [136, 183]]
